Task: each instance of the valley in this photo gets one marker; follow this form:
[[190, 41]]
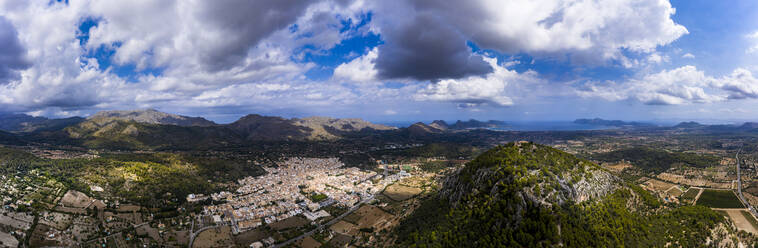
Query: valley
[[125, 184], [378, 124]]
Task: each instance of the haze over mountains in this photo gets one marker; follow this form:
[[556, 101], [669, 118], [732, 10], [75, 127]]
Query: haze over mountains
[[27, 123], [613, 123], [149, 128], [152, 129]]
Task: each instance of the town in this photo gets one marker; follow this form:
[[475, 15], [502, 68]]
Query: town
[[295, 186]]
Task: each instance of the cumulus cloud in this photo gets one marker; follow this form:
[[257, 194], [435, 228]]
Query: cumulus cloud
[[557, 26], [657, 58], [12, 54], [58, 76], [668, 87], [241, 53], [426, 40], [739, 85], [682, 85], [426, 48], [201, 35], [473, 91], [360, 69], [241, 24], [754, 37], [196, 48]]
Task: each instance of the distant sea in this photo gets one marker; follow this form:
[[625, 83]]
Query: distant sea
[[550, 126], [528, 126]]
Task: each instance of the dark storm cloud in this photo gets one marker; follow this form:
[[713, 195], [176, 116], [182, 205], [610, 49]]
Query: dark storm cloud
[[11, 52], [246, 23], [427, 49]]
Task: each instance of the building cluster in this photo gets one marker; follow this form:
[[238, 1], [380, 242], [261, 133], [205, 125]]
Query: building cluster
[[296, 186]]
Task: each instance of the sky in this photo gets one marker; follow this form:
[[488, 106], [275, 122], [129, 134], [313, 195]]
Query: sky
[[383, 61]]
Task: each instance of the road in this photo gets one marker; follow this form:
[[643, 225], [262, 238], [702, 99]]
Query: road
[[739, 186], [194, 234], [349, 211]]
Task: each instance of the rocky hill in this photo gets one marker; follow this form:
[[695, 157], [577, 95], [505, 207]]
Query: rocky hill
[[612, 123], [688, 124], [257, 127], [421, 129], [529, 195], [470, 124], [332, 128], [150, 116], [549, 176]]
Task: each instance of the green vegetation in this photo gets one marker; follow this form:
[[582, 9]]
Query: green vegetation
[[436, 166], [719, 199], [657, 161], [156, 179], [690, 194], [481, 220], [318, 197], [448, 150]]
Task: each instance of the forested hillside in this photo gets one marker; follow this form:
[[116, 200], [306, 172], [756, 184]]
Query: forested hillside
[[528, 195]]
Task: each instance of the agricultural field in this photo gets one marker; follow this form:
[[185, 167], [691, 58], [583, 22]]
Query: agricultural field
[[214, 237], [719, 199], [743, 220], [369, 217], [675, 192], [690, 194], [750, 218], [308, 242], [248, 237], [657, 185], [399, 192], [291, 222], [617, 167], [345, 228]]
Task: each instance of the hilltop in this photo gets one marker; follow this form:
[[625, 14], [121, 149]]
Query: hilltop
[[524, 194]]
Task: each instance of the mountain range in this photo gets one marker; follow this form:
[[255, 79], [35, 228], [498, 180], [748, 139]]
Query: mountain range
[[149, 128], [152, 129]]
